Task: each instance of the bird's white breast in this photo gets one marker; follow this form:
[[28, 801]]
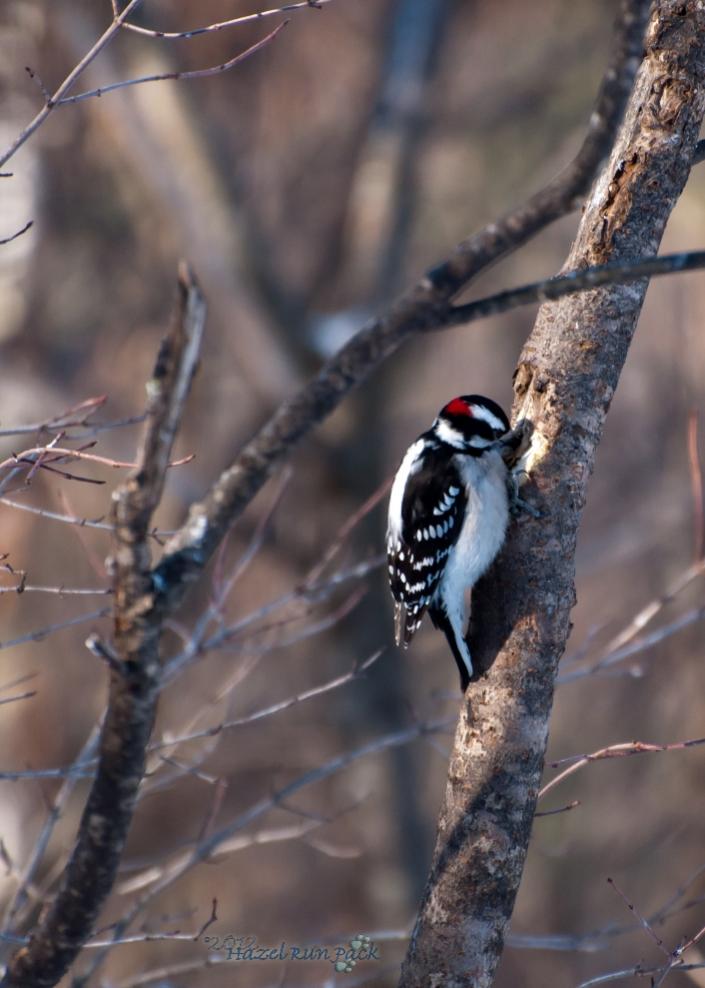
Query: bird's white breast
[[484, 525]]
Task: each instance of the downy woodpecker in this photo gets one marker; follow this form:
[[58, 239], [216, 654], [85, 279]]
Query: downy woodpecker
[[448, 515]]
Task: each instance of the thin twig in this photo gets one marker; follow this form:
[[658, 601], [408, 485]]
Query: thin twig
[[636, 647], [696, 486], [270, 709], [20, 696], [587, 279], [677, 954], [602, 937], [643, 922], [68, 419], [36, 78], [253, 654], [273, 835], [17, 902], [69, 81], [640, 620], [195, 644], [74, 519], [35, 775], [60, 591], [8, 240], [344, 531], [635, 972], [626, 749], [561, 809], [313, 593], [163, 76], [50, 629], [59, 454], [222, 25]]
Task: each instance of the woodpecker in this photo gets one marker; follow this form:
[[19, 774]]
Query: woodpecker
[[448, 515]]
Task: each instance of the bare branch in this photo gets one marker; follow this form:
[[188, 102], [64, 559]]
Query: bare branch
[[643, 922], [176, 76], [35, 775], [618, 648], [270, 709], [8, 240], [550, 289], [222, 25], [20, 696], [70, 79], [37, 457], [273, 835], [624, 750], [635, 972], [36, 78], [50, 629], [63, 420], [74, 519], [696, 486], [16, 904], [599, 939], [343, 533], [610, 659], [307, 593], [60, 591], [656, 975], [92, 428], [561, 809]]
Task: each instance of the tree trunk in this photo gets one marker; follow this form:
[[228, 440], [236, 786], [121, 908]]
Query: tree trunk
[[566, 377]]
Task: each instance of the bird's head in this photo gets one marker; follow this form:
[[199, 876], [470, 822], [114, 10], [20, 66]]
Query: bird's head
[[470, 423]]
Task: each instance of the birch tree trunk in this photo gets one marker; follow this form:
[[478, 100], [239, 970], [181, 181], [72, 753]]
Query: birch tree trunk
[[566, 376]]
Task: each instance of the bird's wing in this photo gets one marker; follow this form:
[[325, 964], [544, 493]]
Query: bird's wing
[[432, 512]]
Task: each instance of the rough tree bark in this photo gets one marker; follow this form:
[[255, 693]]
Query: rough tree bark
[[566, 377]]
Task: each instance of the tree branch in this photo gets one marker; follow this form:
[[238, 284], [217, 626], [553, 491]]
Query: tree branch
[[70, 79], [566, 377], [134, 684], [8, 240], [223, 25], [175, 76], [550, 289]]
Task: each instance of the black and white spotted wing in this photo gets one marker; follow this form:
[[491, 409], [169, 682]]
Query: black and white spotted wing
[[424, 521]]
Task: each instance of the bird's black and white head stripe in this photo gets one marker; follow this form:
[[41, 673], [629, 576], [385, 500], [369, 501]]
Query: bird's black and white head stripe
[[470, 423]]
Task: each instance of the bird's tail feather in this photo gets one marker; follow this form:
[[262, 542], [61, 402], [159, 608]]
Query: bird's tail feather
[[405, 623], [442, 622]]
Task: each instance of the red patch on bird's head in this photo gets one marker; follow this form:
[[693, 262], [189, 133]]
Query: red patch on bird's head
[[458, 407]]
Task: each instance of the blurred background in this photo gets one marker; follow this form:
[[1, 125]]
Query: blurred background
[[307, 187]]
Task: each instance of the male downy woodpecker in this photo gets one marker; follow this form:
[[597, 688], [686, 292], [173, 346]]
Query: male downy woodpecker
[[448, 515]]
